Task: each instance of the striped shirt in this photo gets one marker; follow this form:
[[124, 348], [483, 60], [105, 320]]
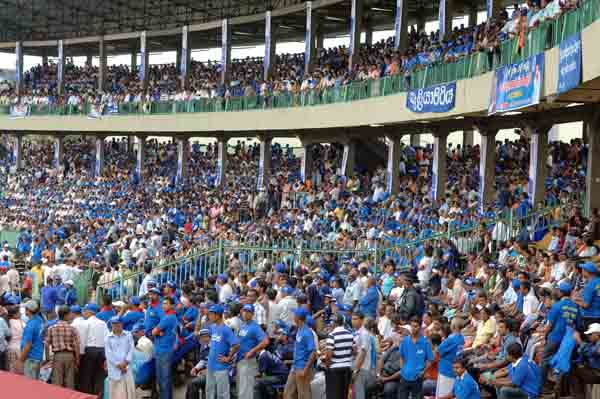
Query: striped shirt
[[340, 343]]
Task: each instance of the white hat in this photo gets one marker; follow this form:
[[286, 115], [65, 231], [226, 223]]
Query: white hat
[[119, 304], [594, 328], [70, 282], [547, 285]]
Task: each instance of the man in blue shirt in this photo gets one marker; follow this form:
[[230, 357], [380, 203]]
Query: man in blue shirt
[[49, 296], [273, 371], [223, 349], [590, 303], [448, 351], [133, 315], [415, 356], [32, 342], [524, 377], [153, 312], [252, 340], [368, 303], [164, 345], [465, 386], [298, 383]]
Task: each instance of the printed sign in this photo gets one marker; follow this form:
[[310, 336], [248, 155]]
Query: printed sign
[[569, 65], [19, 111], [440, 98]]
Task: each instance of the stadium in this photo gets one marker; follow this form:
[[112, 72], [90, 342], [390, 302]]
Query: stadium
[[300, 199]]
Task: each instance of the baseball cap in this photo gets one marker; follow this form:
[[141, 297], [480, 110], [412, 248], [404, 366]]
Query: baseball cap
[[134, 300], [218, 309], [286, 289], [75, 309], [589, 267], [154, 291], [171, 284], [565, 287], [32, 305], [593, 328], [69, 282], [91, 307], [119, 304], [301, 313], [248, 308]]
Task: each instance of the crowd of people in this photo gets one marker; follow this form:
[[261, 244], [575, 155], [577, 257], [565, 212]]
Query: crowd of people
[[123, 85]]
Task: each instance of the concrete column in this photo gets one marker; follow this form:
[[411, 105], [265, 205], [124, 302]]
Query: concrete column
[[19, 68], [487, 165], [144, 61], [133, 61], [307, 161], [592, 128], [44, 58], [393, 164], [421, 20], [141, 153], [225, 51], [88, 59], [349, 158], [355, 23], [129, 144], [369, 36], [99, 167], [467, 139], [102, 65], [445, 15], [182, 159], [60, 70], [310, 53], [319, 38], [439, 174], [185, 58], [178, 57], [59, 150], [270, 44], [221, 162], [415, 140], [264, 163], [472, 16], [18, 150], [538, 147], [401, 25]]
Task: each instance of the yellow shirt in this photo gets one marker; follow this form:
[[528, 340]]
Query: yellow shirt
[[39, 274], [485, 331]]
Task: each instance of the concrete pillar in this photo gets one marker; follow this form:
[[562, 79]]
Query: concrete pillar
[[19, 68], [44, 58], [369, 36], [310, 53], [59, 150], [421, 20], [141, 154], [319, 38], [401, 25], [592, 128], [393, 164], [415, 140], [467, 139], [264, 163], [472, 16], [538, 147], [307, 161], [349, 158], [355, 23], [225, 51], [487, 165], [178, 56], [102, 65], [129, 144], [18, 151], [88, 59], [133, 61], [445, 16], [182, 159], [185, 58], [60, 68], [270, 44], [144, 61], [439, 174], [98, 168], [221, 161]]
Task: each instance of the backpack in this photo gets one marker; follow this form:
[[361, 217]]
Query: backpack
[[419, 303]]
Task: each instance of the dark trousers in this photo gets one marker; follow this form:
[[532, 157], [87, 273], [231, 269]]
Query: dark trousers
[[549, 350], [4, 361], [264, 386], [414, 389], [196, 386], [337, 382], [92, 371], [390, 390]]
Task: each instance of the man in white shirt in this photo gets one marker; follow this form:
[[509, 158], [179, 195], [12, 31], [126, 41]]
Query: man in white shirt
[[530, 301], [224, 289], [353, 290], [286, 306], [6, 252], [92, 372]]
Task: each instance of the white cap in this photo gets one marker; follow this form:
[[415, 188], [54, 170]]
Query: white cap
[[70, 282], [119, 304], [594, 328]]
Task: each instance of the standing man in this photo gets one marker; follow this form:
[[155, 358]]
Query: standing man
[[153, 312], [80, 324], [364, 353], [368, 304], [32, 343], [338, 357], [119, 349], [63, 340], [164, 342], [252, 340], [298, 383], [223, 348], [92, 367], [415, 356]]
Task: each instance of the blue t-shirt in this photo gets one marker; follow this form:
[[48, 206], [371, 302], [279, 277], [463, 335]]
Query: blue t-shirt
[[221, 341], [32, 333], [465, 387], [304, 347], [106, 315], [448, 350], [414, 356], [153, 315], [130, 318], [527, 376], [562, 314], [591, 297], [250, 335], [368, 303], [165, 343], [49, 297]]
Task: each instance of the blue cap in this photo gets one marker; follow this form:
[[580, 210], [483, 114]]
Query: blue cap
[[280, 268], [171, 284], [218, 309], [134, 300], [115, 319], [222, 277], [516, 284], [151, 282], [91, 307], [286, 289], [589, 267], [154, 291], [332, 279], [12, 300], [301, 313], [248, 308], [75, 309], [565, 287]]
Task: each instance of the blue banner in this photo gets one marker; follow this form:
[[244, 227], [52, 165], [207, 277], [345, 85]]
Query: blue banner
[[518, 85], [489, 8], [569, 65], [440, 98]]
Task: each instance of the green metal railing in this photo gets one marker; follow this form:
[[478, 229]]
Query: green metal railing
[[548, 34]]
